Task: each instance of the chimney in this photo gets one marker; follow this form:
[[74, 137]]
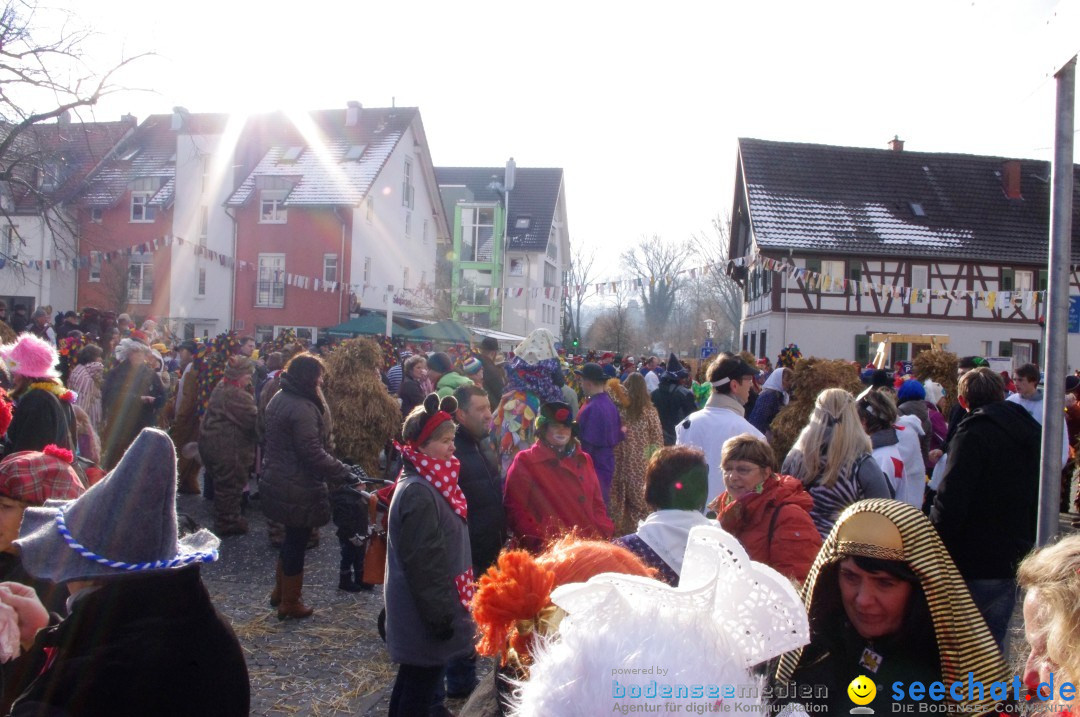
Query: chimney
[[1010, 178], [64, 118], [179, 114], [510, 174], [352, 113], [129, 119], [896, 144]]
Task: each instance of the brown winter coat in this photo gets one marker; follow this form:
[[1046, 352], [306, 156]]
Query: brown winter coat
[[228, 434], [298, 469]]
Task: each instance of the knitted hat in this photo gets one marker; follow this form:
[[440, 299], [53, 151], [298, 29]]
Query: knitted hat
[[33, 477], [238, 367], [472, 366], [31, 357], [911, 390], [125, 523], [440, 362]]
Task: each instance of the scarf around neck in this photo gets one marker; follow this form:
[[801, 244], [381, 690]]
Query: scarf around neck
[[667, 532], [442, 475]]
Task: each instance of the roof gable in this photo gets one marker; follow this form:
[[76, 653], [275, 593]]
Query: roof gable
[[149, 153], [535, 196], [870, 202]]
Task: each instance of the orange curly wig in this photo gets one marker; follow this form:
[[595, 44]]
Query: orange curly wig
[[514, 591]]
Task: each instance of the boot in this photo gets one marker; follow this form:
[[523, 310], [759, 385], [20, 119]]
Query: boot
[[345, 582], [275, 594], [291, 605]]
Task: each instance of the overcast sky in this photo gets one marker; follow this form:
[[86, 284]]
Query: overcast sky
[[640, 103]]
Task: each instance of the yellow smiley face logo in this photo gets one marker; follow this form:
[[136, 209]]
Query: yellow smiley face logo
[[861, 690]]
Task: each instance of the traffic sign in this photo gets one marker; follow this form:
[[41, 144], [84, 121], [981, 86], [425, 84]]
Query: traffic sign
[[709, 345], [706, 351]]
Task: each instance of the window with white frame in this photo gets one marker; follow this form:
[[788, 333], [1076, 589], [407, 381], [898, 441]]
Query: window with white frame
[[141, 210], [9, 242], [920, 277], [303, 333], [407, 185], [204, 224], [553, 247], [367, 270], [1024, 280], [835, 270], [408, 223], [477, 233], [96, 215], [369, 210], [141, 278], [200, 282], [517, 267], [270, 287], [94, 273], [272, 206], [330, 267]]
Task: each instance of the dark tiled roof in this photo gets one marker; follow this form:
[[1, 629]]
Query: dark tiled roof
[[323, 176], [149, 152], [67, 153], [856, 201], [535, 195]]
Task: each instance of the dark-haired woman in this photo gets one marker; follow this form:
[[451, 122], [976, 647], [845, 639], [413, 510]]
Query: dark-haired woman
[[298, 474], [885, 601], [676, 486]]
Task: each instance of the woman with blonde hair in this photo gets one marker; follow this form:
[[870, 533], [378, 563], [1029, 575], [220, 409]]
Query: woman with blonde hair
[[832, 457], [643, 436], [1051, 582]]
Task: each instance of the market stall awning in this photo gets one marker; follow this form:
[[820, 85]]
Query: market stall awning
[[370, 324], [446, 330]]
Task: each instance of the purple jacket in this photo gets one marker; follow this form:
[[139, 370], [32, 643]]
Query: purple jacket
[[600, 430]]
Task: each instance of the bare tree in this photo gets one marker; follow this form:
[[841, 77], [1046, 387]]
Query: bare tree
[[710, 250], [45, 81], [656, 265], [578, 279], [615, 329]]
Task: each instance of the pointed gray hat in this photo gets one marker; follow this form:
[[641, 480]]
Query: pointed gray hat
[[122, 525]]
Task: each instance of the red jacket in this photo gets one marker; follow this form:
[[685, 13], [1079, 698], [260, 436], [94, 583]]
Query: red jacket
[[546, 496], [795, 541]]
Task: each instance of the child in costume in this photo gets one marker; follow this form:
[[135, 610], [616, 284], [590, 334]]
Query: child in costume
[[429, 578]]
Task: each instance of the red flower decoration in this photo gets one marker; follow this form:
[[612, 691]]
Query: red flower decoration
[[57, 452], [562, 414], [67, 397]]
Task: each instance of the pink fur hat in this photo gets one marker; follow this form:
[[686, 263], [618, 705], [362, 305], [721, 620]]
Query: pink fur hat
[[31, 357]]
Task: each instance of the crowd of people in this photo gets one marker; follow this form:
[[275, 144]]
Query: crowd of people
[[891, 539]]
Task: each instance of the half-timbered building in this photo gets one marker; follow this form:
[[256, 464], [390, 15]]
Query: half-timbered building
[[833, 244]]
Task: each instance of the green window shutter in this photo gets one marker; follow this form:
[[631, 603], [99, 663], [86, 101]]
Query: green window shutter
[[862, 349], [1008, 279], [1005, 348], [814, 265], [1043, 280], [854, 274]]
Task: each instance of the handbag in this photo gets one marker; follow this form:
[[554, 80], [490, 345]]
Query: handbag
[[375, 549]]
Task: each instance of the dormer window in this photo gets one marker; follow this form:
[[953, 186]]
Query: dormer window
[[129, 154], [272, 206], [355, 152], [522, 222], [291, 155]]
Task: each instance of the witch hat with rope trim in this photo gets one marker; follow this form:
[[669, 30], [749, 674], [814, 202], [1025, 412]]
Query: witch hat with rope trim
[[125, 524]]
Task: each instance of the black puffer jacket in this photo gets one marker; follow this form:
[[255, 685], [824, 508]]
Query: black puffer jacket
[[298, 470], [481, 482], [986, 509]]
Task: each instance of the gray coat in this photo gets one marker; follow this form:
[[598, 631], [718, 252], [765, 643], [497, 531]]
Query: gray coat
[[297, 466], [427, 547]]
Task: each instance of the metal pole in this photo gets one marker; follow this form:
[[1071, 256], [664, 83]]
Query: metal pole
[[1057, 315]]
